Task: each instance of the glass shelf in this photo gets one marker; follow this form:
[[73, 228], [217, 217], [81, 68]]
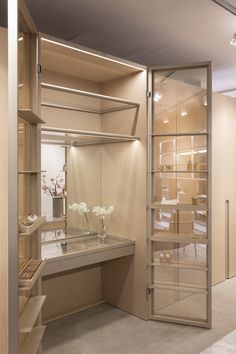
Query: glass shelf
[[97, 103], [72, 137]]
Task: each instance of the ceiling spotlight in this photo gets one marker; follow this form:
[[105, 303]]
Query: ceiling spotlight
[[166, 120], [233, 40], [158, 96], [183, 112], [204, 100]]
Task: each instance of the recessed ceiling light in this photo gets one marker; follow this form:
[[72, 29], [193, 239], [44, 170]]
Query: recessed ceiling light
[[233, 40], [158, 95]]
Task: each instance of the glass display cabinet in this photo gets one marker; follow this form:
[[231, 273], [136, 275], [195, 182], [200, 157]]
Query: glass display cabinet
[[179, 195]]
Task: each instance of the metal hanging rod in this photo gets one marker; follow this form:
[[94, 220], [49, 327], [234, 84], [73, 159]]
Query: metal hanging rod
[[87, 94], [90, 133]]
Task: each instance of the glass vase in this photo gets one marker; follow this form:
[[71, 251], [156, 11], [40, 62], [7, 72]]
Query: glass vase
[[102, 231]]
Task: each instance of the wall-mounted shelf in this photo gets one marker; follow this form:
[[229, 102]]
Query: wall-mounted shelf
[[32, 341], [30, 313], [27, 284], [28, 230], [118, 104], [29, 116], [75, 137], [29, 172]]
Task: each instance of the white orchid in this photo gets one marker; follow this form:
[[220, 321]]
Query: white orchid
[[102, 211], [80, 207]]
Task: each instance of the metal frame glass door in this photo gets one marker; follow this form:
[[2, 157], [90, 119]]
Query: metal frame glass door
[[179, 170]]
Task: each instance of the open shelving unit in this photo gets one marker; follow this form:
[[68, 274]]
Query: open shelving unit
[[29, 186], [179, 168]]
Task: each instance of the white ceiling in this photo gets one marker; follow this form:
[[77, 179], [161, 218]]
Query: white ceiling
[[151, 32]]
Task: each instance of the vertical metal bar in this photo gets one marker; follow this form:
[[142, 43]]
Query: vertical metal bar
[[12, 176], [149, 189], [227, 239], [209, 190]]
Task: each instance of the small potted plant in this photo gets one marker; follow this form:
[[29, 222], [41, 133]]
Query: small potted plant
[[82, 209], [102, 212], [55, 189]]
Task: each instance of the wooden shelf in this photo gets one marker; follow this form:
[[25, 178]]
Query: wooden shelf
[[29, 172], [30, 313], [191, 207], [27, 284], [29, 230], [33, 340], [30, 117]]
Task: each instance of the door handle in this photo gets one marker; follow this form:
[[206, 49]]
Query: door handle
[[227, 239]]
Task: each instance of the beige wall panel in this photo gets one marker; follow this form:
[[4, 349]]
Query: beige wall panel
[[4, 195], [124, 186], [228, 168], [223, 182], [84, 182], [218, 190], [69, 292], [70, 119]]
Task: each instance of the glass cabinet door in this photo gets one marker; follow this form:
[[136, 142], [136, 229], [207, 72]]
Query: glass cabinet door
[[179, 210]]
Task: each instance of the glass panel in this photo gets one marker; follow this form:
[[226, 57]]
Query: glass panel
[[171, 275], [175, 222], [180, 101], [179, 304], [185, 188], [180, 153], [176, 254]]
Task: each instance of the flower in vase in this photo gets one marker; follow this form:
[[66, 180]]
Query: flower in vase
[[82, 209], [102, 211]]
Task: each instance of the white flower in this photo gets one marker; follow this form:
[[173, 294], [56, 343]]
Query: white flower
[[80, 207], [102, 211]]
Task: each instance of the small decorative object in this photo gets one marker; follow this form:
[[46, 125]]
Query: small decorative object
[[196, 166], [102, 212], [162, 258], [190, 166], [64, 246], [29, 220], [195, 200], [56, 190], [82, 210], [168, 257]]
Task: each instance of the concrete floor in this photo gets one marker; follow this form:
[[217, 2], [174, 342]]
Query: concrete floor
[[107, 330]]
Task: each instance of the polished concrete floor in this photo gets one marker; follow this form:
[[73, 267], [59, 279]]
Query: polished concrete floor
[[107, 330]]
